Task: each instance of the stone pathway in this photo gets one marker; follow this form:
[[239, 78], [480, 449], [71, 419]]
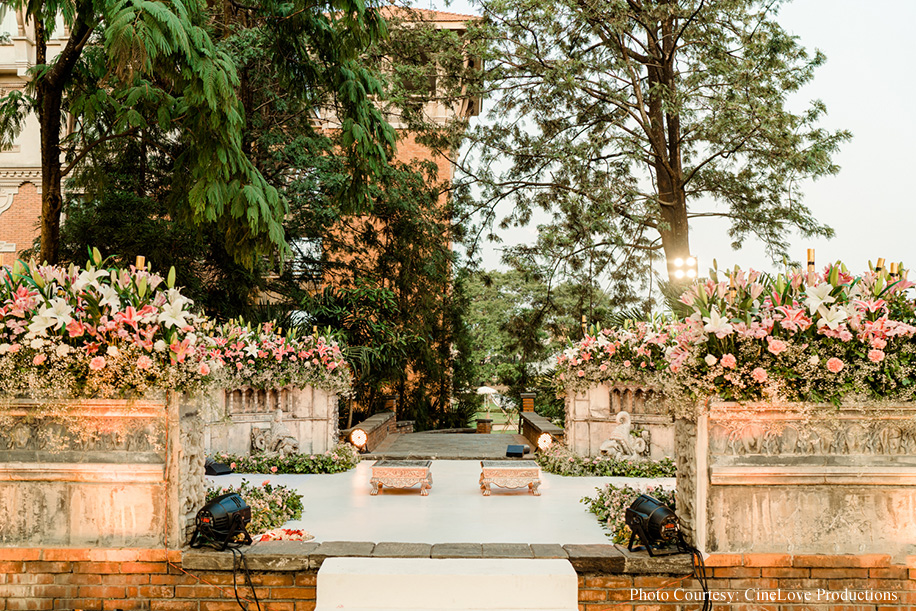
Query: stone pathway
[[451, 446]]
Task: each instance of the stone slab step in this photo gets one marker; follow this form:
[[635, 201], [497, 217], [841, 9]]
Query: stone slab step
[[424, 584]]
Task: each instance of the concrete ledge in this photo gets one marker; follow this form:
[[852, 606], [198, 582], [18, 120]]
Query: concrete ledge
[[596, 558], [302, 556], [641, 563], [802, 475]]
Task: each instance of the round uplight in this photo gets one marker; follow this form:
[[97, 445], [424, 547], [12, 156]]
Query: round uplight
[[679, 273], [544, 442], [679, 262], [359, 438]]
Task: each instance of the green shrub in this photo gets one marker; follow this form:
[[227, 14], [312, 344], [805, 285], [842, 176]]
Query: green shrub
[[271, 505], [561, 461], [610, 505], [343, 458]]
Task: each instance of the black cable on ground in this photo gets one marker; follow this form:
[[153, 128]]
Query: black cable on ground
[[235, 567], [699, 570]]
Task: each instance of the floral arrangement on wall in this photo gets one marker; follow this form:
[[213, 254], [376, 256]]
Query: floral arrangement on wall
[[560, 460], [105, 332], [343, 458], [272, 505], [266, 357], [610, 503], [797, 336], [96, 332]]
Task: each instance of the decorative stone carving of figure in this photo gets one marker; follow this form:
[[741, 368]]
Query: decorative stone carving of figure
[[622, 445], [276, 441]]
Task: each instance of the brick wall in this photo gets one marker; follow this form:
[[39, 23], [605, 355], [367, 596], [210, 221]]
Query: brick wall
[[153, 580], [760, 582], [19, 223], [107, 580]]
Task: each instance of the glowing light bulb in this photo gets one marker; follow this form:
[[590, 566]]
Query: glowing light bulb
[[359, 438], [544, 442]]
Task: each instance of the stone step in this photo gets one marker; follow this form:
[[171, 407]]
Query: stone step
[[424, 584]]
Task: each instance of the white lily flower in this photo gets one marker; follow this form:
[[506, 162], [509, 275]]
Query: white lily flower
[[88, 278], [251, 350], [832, 318], [55, 315], [818, 295], [173, 314], [717, 324], [109, 297]]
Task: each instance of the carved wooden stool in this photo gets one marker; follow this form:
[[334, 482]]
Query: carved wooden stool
[[510, 474], [401, 474]]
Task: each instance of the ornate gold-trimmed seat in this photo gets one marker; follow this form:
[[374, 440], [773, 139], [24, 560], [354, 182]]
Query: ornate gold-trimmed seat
[[401, 474], [510, 474]]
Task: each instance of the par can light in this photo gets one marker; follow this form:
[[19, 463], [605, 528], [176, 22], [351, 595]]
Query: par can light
[[359, 438], [220, 521], [654, 523], [545, 440]]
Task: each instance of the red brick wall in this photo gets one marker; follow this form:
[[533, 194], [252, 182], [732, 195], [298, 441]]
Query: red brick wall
[[19, 224], [128, 579], [150, 580], [778, 579]]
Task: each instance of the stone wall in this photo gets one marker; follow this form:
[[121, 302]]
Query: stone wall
[[136, 480], [591, 417], [309, 414], [285, 577], [800, 479]]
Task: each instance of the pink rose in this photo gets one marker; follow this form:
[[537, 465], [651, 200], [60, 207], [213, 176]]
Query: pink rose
[[759, 374], [728, 361], [626, 363], [834, 365], [39, 359], [144, 362], [232, 465], [603, 367], [775, 346], [204, 369], [97, 363], [878, 343], [580, 373], [273, 469], [875, 356]]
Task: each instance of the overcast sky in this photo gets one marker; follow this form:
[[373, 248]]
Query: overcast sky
[[868, 87]]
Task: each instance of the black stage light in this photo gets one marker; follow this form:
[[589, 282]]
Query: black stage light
[[220, 521], [654, 523], [211, 467]]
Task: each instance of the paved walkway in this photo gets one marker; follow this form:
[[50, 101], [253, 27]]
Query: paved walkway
[[339, 508], [449, 446]]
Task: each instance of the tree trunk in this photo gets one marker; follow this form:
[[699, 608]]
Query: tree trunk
[[49, 91], [664, 125]]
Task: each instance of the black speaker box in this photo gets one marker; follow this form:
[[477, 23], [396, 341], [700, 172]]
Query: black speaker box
[[514, 451]]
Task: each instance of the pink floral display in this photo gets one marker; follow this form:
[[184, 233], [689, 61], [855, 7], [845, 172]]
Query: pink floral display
[[96, 332], [263, 357], [817, 337]]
